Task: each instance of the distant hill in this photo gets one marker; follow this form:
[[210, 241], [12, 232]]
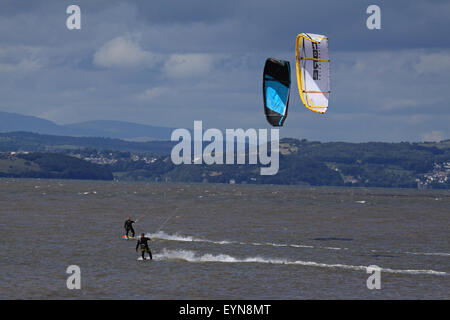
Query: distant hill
[[10, 122], [34, 142], [13, 122], [120, 130]]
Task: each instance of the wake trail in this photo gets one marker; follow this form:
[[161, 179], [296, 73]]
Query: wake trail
[[191, 256], [161, 235]]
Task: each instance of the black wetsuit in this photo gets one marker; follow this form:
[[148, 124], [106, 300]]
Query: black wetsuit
[[129, 227], [143, 243]]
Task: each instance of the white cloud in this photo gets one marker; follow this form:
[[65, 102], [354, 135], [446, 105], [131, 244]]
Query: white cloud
[[433, 136], [21, 59], [152, 94], [402, 103], [433, 63], [25, 65], [188, 65], [399, 81], [124, 52]]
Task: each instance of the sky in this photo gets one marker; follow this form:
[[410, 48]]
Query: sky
[[170, 62]]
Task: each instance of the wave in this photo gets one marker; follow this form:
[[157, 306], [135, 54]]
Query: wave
[[442, 254], [191, 256], [430, 253], [161, 235]]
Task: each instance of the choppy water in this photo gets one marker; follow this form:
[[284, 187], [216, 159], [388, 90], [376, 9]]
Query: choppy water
[[222, 241]]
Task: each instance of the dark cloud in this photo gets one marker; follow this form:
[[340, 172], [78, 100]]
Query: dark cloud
[[173, 62]]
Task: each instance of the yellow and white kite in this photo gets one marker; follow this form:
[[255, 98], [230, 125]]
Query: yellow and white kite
[[313, 71]]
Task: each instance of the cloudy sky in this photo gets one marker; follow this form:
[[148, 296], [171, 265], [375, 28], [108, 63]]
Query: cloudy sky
[[169, 63]]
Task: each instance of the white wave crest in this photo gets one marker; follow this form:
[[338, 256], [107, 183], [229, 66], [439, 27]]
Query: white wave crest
[[176, 237], [443, 254], [172, 237], [191, 256], [161, 235]]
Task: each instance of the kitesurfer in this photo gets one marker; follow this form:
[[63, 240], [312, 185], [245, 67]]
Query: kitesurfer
[[129, 227], [143, 243]]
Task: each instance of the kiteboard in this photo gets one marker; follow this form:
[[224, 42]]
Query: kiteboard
[[147, 258]]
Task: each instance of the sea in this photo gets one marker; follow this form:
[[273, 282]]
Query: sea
[[217, 241]]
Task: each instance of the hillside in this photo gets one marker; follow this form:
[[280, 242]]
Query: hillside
[[119, 130], [399, 165], [51, 165], [32, 142], [302, 162]]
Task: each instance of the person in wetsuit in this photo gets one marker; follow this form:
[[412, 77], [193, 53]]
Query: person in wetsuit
[[143, 243], [129, 227]]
